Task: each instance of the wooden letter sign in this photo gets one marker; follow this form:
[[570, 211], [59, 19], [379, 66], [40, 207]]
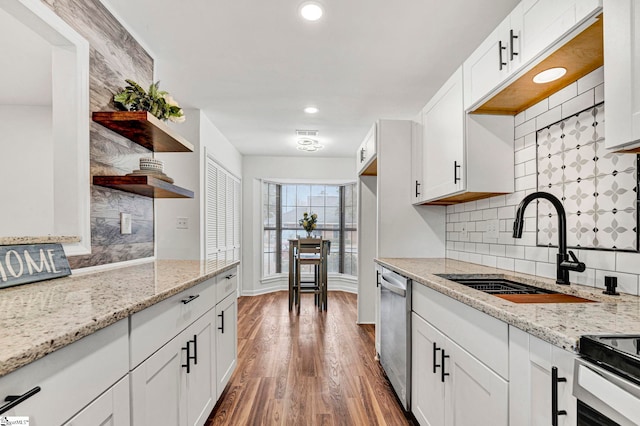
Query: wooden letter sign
[[22, 264]]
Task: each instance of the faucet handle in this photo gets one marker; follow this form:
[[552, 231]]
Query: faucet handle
[[573, 256], [574, 264]]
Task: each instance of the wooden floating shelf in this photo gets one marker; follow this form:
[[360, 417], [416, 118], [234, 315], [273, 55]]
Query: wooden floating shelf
[[144, 129], [148, 186]]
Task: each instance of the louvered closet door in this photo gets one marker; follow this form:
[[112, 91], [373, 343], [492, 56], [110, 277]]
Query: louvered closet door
[[222, 213], [236, 220], [211, 210]]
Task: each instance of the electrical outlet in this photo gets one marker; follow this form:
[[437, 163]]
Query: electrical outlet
[[125, 223], [464, 232], [492, 228], [182, 223]]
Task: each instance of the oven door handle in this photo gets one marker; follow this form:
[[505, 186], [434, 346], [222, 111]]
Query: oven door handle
[[393, 285]]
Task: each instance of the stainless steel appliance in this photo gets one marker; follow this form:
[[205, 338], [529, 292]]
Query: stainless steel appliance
[[395, 332], [606, 380]]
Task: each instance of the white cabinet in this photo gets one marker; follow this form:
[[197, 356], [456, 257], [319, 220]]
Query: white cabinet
[[176, 385], [450, 386], [226, 341], [110, 409], [499, 56], [465, 157], [72, 377], [366, 155], [621, 78], [544, 22], [417, 171], [542, 368]]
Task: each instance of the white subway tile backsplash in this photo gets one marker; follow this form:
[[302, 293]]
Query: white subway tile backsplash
[[475, 258], [506, 237], [539, 254], [490, 214], [498, 201], [577, 104], [518, 144], [454, 217], [488, 240], [526, 182], [507, 212], [599, 94], [563, 95], [588, 277], [470, 206], [459, 208], [598, 259], [475, 237], [515, 252], [515, 198], [459, 226], [591, 80], [490, 261], [525, 128], [471, 226], [506, 263], [470, 247], [537, 109], [628, 262], [459, 246], [451, 208], [476, 215], [450, 227], [529, 140], [531, 167], [464, 257], [627, 283], [544, 269], [552, 116], [497, 250], [525, 155], [525, 266], [519, 170], [483, 204], [530, 224], [452, 254], [464, 217], [518, 119], [483, 248]]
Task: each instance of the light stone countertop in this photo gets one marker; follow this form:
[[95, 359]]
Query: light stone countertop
[[561, 324], [39, 318]]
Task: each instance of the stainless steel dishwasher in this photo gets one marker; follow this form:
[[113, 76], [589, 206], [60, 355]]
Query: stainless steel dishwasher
[[395, 332]]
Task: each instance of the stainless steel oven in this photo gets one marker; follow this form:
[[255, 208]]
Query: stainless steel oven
[[395, 332], [607, 381]]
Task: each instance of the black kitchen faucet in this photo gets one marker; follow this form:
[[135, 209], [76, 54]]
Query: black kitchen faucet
[[563, 264]]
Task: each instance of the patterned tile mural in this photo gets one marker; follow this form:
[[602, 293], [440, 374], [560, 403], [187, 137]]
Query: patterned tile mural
[[599, 189]]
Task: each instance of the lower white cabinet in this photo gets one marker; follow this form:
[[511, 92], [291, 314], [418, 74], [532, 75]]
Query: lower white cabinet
[[226, 341], [542, 371], [449, 385], [110, 409], [177, 385]]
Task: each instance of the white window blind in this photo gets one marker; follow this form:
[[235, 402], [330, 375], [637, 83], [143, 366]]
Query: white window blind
[[223, 213]]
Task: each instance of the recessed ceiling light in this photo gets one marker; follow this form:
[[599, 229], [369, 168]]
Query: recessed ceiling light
[[311, 11], [311, 110], [549, 75]]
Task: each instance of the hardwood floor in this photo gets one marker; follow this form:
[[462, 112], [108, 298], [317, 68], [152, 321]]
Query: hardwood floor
[[313, 369]]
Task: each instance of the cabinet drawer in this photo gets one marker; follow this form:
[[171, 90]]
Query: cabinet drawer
[[69, 378], [478, 333], [227, 284], [153, 327]]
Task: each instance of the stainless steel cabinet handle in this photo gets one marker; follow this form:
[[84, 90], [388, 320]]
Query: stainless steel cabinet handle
[[13, 400], [554, 396]]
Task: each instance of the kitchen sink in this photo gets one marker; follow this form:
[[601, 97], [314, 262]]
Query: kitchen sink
[[514, 291]]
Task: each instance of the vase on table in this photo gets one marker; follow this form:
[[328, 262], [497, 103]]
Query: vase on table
[[309, 234]]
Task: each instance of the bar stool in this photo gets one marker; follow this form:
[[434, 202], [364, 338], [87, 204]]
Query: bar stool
[[310, 251]]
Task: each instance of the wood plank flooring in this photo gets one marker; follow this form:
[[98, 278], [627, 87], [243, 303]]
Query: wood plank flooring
[[313, 369]]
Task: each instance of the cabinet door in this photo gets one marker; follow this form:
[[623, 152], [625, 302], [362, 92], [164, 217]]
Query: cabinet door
[[367, 151], [543, 357], [417, 179], [427, 388], [110, 409], [201, 379], [158, 387], [226, 341], [443, 140], [475, 395], [621, 80], [547, 21]]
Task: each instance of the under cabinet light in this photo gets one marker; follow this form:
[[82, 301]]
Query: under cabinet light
[[549, 75], [311, 11]]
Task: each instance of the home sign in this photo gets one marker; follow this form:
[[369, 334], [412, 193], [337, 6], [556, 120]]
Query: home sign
[[28, 263]]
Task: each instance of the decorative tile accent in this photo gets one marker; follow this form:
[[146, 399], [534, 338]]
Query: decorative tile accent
[[598, 188]]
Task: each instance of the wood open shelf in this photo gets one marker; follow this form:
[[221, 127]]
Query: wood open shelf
[[144, 129], [143, 185]]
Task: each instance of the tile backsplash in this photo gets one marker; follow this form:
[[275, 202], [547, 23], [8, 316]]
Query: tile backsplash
[[467, 223]]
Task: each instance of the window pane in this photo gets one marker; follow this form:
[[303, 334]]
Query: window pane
[[289, 195], [332, 195], [303, 195], [289, 217], [332, 218]]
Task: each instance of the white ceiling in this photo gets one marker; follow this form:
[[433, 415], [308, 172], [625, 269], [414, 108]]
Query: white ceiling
[[253, 65]]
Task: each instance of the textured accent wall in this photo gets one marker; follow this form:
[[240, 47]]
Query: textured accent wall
[[114, 56], [467, 239]]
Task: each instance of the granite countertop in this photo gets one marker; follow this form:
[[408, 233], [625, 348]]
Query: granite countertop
[[37, 319], [561, 324]]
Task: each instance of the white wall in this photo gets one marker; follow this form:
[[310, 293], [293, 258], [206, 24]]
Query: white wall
[[299, 169], [187, 169], [26, 166]]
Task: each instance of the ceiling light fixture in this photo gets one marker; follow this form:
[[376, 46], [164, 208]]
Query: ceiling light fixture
[[311, 11], [311, 110], [309, 145], [549, 75]]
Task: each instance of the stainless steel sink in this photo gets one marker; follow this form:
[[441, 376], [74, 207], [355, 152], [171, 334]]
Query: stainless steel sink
[[497, 285]]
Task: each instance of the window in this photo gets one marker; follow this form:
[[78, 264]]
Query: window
[[284, 205]]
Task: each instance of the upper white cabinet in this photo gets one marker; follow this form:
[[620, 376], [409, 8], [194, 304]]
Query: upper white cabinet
[[621, 77], [544, 22], [499, 56], [464, 157], [366, 155]]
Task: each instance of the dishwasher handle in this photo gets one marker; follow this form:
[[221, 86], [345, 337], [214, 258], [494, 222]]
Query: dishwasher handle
[[394, 285]]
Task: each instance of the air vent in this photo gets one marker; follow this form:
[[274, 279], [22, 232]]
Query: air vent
[[306, 133]]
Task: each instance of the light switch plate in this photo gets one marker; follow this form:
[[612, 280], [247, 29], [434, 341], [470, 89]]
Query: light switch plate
[[492, 228], [125, 223]]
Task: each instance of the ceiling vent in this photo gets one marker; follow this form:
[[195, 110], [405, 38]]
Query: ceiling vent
[[306, 133]]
